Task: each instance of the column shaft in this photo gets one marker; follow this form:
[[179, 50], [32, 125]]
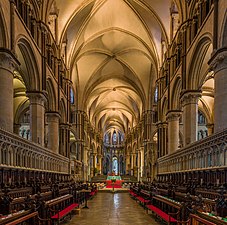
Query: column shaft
[[127, 161], [190, 116], [37, 110], [53, 131], [173, 130], [218, 64], [8, 64]]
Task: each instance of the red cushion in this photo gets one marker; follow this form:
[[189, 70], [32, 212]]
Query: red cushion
[[65, 211], [133, 194], [162, 214], [141, 199]]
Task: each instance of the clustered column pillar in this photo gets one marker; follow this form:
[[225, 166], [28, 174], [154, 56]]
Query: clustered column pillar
[[37, 112], [218, 64], [53, 131], [154, 160], [127, 161], [132, 163], [91, 164], [8, 63], [80, 123], [173, 130], [99, 165], [162, 139], [142, 161], [210, 128], [190, 116], [139, 165], [85, 164], [94, 160], [64, 138]]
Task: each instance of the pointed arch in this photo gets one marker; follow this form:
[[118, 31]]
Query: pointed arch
[[29, 67], [62, 111], [4, 39], [21, 109], [175, 98], [164, 109], [198, 65], [223, 36], [51, 99]]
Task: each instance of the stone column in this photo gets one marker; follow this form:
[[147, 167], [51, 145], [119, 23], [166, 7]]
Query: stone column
[[64, 139], [8, 64], [135, 166], [85, 164], [79, 126], [101, 164], [139, 166], [132, 163], [154, 160], [159, 139], [189, 102], [53, 131], [142, 161], [162, 139], [95, 160], [127, 161], [173, 130], [37, 111], [91, 164], [210, 129], [16, 128], [218, 64]]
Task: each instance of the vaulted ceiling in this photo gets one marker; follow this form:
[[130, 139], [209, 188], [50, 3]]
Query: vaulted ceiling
[[114, 51]]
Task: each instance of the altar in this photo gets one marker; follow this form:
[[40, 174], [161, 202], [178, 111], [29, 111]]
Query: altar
[[114, 178], [117, 182]]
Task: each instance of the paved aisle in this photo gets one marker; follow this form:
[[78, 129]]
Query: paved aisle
[[112, 209]]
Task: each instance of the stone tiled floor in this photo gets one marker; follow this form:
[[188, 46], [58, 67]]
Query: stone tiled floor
[[112, 209]]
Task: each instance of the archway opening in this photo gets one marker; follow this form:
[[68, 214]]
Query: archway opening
[[115, 165]]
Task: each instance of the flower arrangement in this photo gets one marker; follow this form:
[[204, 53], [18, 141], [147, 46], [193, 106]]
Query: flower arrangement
[[113, 180]]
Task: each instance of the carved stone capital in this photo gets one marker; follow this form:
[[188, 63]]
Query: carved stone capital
[[162, 125], [190, 97], [8, 61], [64, 126], [210, 126], [52, 116], [36, 97], [218, 60], [173, 115]]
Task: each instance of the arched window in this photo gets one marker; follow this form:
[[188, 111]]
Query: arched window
[[156, 95], [202, 129], [122, 137], [201, 118], [71, 96], [114, 137], [107, 138]]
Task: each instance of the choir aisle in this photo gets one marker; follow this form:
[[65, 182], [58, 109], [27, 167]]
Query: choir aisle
[[112, 209]]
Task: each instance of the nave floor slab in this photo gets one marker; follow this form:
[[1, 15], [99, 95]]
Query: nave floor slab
[[112, 209]]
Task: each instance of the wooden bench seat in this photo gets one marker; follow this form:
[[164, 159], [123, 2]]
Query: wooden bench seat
[[61, 214], [142, 200], [24, 218], [161, 214]]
